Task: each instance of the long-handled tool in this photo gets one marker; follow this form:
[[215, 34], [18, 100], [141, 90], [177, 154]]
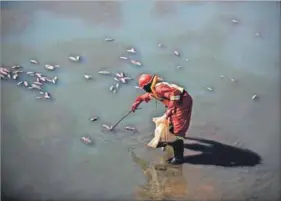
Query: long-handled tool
[[123, 118]]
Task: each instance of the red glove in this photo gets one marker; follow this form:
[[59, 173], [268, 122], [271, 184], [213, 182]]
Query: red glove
[[135, 105]]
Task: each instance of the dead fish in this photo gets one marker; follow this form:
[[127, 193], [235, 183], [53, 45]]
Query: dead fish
[[49, 67], [107, 126], [186, 59], [234, 21], [25, 83], [221, 76], [15, 76], [104, 72], [30, 73], [116, 79], [86, 140], [4, 73], [132, 50], [109, 39], [47, 95], [9, 76], [178, 67], [118, 75], [114, 91], [130, 128], [19, 83], [209, 88], [137, 87], [41, 92], [87, 76], [232, 79], [43, 79], [57, 66], [111, 87], [159, 45], [18, 71], [74, 58], [137, 63], [122, 74], [2, 76], [127, 78], [16, 67], [38, 83], [55, 79], [39, 97], [255, 97], [124, 58], [176, 53], [3, 70], [38, 75], [123, 80], [117, 85], [94, 118], [35, 86], [33, 61]]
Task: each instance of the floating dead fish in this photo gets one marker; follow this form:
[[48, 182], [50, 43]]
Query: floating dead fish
[[17, 71], [15, 76], [16, 67], [221, 76], [130, 128], [159, 45], [186, 59], [43, 79], [74, 58], [88, 77], [127, 78], [114, 91], [234, 21], [116, 79], [111, 87], [117, 85], [124, 58], [55, 79], [137, 63], [57, 66], [4, 73], [30, 73], [123, 80], [35, 86], [104, 72], [38, 74], [179, 67], [87, 140], [3, 70], [19, 83], [25, 83], [118, 75], [94, 118], [132, 50], [176, 53], [137, 87], [109, 39], [255, 97], [41, 92], [39, 97], [47, 95], [209, 88], [38, 83], [232, 79], [9, 76], [107, 127], [2, 76], [49, 67], [33, 61], [122, 74]]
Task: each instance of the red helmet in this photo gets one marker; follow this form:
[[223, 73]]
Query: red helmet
[[145, 79]]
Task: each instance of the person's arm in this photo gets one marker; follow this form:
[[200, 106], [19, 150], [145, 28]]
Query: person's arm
[[145, 97]]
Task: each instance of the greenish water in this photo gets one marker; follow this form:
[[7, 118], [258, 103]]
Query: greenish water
[[42, 154]]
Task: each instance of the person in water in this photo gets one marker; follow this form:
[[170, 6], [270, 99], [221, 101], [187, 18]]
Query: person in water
[[179, 108]]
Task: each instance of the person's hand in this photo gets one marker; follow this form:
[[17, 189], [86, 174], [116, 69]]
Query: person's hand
[[135, 106]]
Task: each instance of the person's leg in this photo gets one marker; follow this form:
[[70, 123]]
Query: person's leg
[[178, 147]]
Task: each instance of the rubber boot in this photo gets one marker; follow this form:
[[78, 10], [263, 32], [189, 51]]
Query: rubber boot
[[178, 153]]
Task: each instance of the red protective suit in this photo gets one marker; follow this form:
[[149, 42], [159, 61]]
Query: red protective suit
[[179, 108]]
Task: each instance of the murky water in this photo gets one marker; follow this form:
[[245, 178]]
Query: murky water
[[42, 154]]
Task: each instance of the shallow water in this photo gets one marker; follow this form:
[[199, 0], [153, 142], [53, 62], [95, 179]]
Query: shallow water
[[40, 139]]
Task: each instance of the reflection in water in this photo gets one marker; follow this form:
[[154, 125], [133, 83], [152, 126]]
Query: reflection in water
[[164, 182]]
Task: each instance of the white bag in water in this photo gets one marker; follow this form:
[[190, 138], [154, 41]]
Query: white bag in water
[[161, 133]]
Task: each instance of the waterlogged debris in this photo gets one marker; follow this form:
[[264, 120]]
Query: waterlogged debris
[[132, 50], [49, 67], [107, 127], [87, 140], [87, 77], [20, 83], [124, 58], [176, 53], [130, 128], [137, 63], [255, 97], [209, 89], [33, 61], [109, 39], [16, 67], [104, 72], [94, 118], [74, 58]]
